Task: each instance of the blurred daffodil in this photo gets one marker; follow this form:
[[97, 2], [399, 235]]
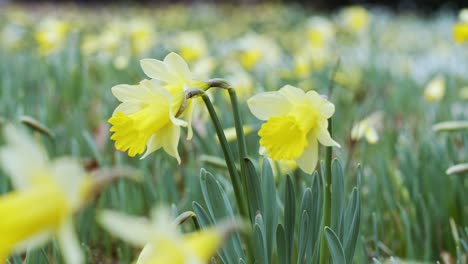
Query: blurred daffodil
[[192, 45], [367, 128], [435, 89], [51, 35], [257, 48], [142, 35], [320, 32], [162, 241], [354, 19], [460, 32], [146, 118], [295, 122], [46, 196]]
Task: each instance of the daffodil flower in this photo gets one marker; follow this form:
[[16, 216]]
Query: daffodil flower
[[295, 122], [435, 89], [146, 118], [46, 196], [367, 128], [51, 35], [161, 240]]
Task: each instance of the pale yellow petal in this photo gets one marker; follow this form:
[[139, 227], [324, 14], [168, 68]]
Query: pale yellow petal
[[158, 70], [69, 244], [371, 135], [21, 150], [268, 104], [134, 230], [325, 139], [308, 161], [129, 93], [128, 108], [171, 134], [69, 174], [146, 254], [178, 66], [294, 94]]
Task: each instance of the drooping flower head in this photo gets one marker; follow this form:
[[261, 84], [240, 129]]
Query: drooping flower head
[[46, 196], [295, 122], [146, 118], [162, 241]]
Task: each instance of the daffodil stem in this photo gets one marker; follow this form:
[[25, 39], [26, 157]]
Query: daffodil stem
[[324, 253], [228, 156], [240, 139], [242, 155]]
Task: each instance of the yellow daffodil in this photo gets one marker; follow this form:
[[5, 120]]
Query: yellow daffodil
[[367, 128], [295, 122], [142, 36], [51, 35], [46, 196], [460, 32], [355, 19], [161, 240], [435, 89], [146, 117], [192, 45], [255, 49], [320, 32]]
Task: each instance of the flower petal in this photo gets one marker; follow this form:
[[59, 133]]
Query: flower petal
[[167, 137], [69, 244], [21, 150], [294, 94], [268, 104], [177, 65], [158, 70], [308, 161], [146, 254], [70, 175], [128, 108], [171, 134], [129, 93], [325, 139], [33, 242], [134, 230]]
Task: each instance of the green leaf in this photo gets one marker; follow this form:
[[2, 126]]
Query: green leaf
[[281, 245], [352, 222], [270, 208], [259, 242], [289, 216], [316, 218], [254, 194], [335, 247], [337, 199], [219, 209], [303, 239]]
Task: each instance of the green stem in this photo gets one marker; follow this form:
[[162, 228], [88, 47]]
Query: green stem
[[324, 253], [240, 140], [227, 155], [242, 154]]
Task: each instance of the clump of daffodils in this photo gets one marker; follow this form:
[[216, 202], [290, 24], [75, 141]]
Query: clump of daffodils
[[161, 240], [47, 194], [296, 122], [148, 117]]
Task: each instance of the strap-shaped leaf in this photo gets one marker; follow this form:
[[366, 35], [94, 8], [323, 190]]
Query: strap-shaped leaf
[[254, 194], [336, 249], [270, 206], [289, 216]]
